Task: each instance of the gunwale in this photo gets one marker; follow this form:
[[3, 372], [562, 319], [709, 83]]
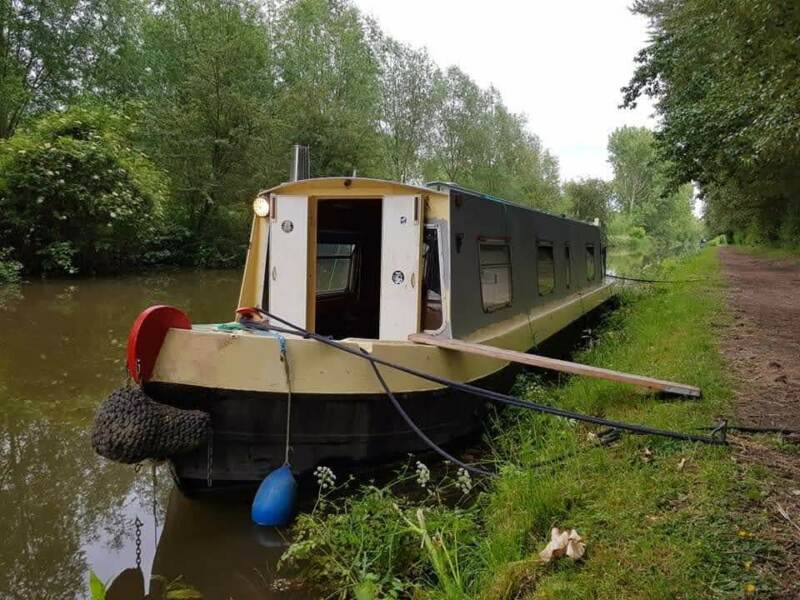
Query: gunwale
[[249, 361]]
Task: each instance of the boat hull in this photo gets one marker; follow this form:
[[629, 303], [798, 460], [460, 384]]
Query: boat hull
[[336, 430]]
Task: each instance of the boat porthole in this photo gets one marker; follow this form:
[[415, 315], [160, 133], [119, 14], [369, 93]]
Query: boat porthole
[[398, 277], [287, 226]]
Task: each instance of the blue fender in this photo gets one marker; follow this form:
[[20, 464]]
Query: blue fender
[[275, 500]]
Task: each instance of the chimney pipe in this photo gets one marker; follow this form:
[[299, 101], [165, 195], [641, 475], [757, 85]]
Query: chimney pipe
[[300, 166]]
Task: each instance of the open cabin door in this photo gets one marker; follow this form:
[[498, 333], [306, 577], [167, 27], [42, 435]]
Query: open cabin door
[[288, 259], [400, 267]]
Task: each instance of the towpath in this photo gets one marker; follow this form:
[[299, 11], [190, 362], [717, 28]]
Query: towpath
[[762, 347]]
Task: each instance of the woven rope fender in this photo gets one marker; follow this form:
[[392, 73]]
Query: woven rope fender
[[129, 427]]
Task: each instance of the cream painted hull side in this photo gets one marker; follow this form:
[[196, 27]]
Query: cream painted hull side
[[251, 361]]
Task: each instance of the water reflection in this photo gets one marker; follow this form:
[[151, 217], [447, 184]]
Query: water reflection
[[243, 567], [64, 510]]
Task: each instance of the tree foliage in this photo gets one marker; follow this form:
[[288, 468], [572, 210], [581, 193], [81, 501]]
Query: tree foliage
[[411, 92], [724, 76], [589, 199], [75, 196], [48, 48], [216, 91], [647, 201]]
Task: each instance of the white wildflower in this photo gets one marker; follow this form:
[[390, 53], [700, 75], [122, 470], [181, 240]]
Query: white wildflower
[[281, 585], [325, 477], [423, 474], [464, 481]]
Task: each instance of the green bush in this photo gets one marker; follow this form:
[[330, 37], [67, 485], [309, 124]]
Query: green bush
[[10, 269], [75, 196], [382, 542]]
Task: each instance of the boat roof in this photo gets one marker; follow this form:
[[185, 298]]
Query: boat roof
[[346, 185], [368, 186], [450, 185]]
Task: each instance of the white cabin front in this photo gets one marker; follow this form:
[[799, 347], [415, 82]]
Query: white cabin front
[[349, 257]]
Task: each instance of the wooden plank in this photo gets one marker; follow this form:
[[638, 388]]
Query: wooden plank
[[535, 360]]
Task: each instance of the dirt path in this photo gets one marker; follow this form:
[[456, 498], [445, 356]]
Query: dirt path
[[764, 345], [763, 348]]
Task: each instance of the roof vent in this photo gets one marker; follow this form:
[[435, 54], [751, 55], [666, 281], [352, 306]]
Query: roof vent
[[300, 167]]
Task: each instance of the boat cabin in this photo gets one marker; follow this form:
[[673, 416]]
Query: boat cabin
[[371, 259]]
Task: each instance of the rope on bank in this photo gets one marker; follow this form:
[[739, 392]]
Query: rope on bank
[[755, 429], [488, 394], [639, 280]]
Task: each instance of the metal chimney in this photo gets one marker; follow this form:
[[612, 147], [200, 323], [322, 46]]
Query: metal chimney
[[300, 167]]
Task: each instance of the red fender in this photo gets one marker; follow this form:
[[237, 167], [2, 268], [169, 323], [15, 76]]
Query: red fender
[[147, 335]]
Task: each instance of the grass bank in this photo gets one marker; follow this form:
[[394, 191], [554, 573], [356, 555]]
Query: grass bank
[[661, 518]]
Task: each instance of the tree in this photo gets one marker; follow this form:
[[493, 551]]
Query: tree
[[46, 49], [632, 154], [460, 134], [588, 199], [410, 94], [207, 96], [480, 144], [723, 74], [329, 92], [645, 196]]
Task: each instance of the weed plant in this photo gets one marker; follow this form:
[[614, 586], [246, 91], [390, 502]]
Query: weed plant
[[661, 518]]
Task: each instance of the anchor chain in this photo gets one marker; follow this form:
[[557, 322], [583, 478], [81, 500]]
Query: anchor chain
[[138, 525]]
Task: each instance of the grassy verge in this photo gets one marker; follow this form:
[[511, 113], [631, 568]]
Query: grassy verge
[[661, 518], [772, 252]]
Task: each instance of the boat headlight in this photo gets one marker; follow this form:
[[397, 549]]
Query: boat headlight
[[261, 206]]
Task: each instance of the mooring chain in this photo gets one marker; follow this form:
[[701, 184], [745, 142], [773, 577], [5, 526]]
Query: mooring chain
[[138, 525]]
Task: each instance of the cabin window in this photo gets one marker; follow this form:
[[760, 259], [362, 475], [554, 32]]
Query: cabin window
[[567, 267], [545, 268], [590, 263], [495, 271], [335, 268], [431, 281]]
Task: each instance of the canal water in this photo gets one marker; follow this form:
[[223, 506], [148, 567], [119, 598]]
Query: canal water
[[64, 511]]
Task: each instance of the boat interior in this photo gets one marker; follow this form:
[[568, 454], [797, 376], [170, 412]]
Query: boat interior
[[348, 267]]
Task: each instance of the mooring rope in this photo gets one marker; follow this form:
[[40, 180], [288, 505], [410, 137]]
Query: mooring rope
[[639, 280], [409, 421], [489, 394], [285, 361]]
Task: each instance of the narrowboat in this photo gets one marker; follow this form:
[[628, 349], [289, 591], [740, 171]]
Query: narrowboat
[[367, 262]]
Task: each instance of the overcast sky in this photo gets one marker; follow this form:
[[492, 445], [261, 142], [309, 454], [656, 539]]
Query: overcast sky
[[561, 62]]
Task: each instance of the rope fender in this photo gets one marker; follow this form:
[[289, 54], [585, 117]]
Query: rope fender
[[130, 427]]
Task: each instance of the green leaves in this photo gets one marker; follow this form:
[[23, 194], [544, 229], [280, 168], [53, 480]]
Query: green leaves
[[724, 73], [74, 196], [97, 588]]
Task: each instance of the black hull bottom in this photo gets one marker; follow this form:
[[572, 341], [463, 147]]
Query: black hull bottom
[[338, 431]]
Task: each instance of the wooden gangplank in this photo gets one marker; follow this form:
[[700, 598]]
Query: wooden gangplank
[[554, 364]]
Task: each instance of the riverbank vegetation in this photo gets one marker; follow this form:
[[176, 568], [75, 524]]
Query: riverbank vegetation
[[135, 133], [208, 97], [661, 518]]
